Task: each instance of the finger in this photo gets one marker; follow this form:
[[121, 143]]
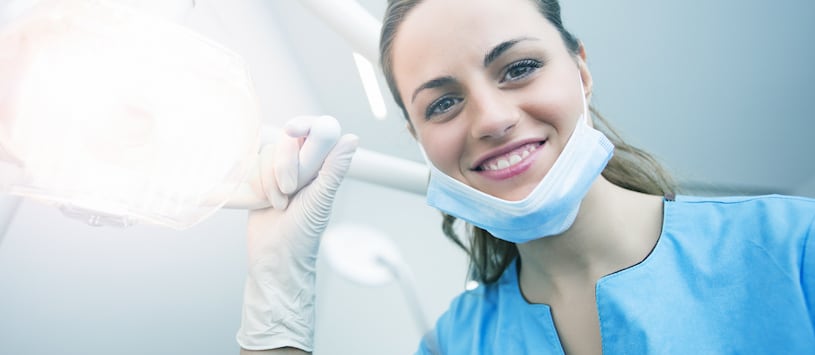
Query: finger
[[286, 163], [319, 196], [268, 179], [321, 134], [339, 159], [300, 126]]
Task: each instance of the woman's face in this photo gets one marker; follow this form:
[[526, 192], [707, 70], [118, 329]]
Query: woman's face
[[490, 89]]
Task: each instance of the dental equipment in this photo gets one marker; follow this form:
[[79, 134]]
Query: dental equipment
[[8, 208], [352, 22], [365, 256], [133, 127], [32, 160], [376, 168]]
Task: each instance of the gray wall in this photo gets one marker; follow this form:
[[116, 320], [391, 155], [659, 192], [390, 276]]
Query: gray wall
[[719, 90]]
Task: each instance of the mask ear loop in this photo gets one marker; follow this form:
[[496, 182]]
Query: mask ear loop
[[583, 98]]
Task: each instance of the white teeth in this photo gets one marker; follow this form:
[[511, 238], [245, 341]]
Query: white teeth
[[510, 159], [514, 159]]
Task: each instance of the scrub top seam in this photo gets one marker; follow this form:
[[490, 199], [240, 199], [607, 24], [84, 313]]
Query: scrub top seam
[[737, 199], [667, 214], [514, 282], [805, 250], [806, 243]]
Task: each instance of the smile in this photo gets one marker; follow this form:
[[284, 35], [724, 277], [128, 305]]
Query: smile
[[509, 159]]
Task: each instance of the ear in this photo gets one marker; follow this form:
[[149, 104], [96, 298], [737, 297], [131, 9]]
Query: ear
[[588, 84]]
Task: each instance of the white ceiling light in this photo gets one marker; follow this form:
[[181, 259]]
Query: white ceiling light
[[371, 86]]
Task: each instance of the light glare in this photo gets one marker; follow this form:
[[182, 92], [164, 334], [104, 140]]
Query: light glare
[[124, 114], [371, 86]]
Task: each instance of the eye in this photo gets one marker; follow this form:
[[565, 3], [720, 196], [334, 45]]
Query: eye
[[521, 69], [441, 105]]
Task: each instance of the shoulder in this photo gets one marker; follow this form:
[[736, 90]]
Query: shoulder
[[770, 231], [768, 215], [770, 239], [752, 204], [760, 200]]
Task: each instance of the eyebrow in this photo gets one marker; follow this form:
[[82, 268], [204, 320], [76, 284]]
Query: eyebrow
[[435, 83], [502, 47], [493, 54]]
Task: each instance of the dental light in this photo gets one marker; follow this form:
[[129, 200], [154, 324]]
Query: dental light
[[118, 116]]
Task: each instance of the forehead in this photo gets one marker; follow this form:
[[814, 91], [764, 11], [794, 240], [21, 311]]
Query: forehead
[[440, 35], [461, 14]]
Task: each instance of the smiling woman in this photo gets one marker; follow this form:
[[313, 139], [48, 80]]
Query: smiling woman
[[524, 67], [489, 92]]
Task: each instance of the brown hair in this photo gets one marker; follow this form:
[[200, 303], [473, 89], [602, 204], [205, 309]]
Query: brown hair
[[630, 167]]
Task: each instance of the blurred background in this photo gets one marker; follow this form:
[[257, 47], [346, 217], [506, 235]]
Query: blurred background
[[721, 92]]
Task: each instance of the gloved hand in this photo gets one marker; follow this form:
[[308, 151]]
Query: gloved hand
[[300, 175]]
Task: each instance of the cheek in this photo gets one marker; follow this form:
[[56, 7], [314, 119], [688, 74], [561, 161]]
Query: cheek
[[556, 107], [443, 148]]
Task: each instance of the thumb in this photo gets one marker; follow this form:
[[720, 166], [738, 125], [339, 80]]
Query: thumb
[[318, 197], [338, 161]]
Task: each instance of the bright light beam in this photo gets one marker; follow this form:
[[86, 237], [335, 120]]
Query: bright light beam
[[371, 86]]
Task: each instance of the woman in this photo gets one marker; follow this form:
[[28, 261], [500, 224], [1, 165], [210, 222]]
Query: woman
[[572, 260], [490, 89]]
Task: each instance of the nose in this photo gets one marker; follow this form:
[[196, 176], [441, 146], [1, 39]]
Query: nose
[[494, 116]]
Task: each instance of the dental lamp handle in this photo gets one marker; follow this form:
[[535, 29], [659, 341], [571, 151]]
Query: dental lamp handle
[[367, 166], [349, 19], [402, 274]]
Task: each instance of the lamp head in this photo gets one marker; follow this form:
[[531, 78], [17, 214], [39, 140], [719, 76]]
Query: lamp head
[[119, 116]]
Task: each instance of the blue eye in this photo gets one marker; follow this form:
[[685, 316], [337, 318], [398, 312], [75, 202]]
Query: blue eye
[[441, 105], [521, 69]]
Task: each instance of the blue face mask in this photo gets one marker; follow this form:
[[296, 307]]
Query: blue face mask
[[550, 208]]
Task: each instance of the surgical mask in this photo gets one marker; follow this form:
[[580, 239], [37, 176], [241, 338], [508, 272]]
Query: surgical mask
[[550, 208]]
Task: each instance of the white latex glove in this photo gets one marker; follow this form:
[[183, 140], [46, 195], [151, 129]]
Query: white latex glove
[[300, 175]]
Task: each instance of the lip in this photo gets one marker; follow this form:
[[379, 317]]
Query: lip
[[504, 150], [513, 170]]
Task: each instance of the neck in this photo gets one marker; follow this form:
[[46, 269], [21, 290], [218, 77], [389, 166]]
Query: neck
[[615, 228]]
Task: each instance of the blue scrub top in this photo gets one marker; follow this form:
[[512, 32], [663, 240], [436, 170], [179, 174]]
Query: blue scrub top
[[727, 276]]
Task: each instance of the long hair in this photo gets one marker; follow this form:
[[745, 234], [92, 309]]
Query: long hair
[[630, 167]]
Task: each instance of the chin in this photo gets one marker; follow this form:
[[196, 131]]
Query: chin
[[515, 195]]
